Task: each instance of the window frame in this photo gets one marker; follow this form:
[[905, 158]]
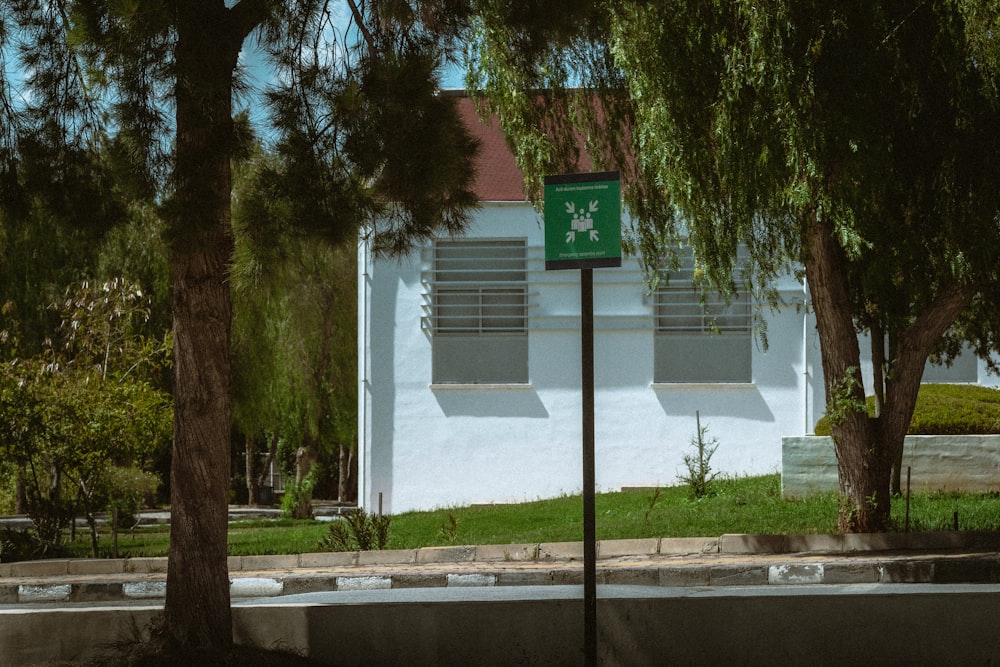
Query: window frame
[[709, 340], [477, 311]]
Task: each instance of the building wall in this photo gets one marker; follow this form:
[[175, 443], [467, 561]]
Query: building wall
[[427, 445]]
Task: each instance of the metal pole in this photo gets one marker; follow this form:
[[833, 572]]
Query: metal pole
[[589, 482]]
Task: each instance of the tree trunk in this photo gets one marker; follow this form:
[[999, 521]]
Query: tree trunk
[[878, 336], [863, 469], [272, 452], [343, 461], [20, 494], [197, 607], [867, 448], [908, 351], [197, 602], [305, 459], [347, 489], [251, 459]]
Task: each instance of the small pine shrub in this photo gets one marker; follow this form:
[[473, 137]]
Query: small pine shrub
[[699, 471], [947, 409], [448, 532]]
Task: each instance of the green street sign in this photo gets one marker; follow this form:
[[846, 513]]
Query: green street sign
[[583, 228]]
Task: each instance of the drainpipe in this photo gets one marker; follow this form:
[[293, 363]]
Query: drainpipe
[[805, 357], [364, 384]]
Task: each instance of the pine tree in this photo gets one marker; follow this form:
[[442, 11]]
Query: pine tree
[[354, 110]]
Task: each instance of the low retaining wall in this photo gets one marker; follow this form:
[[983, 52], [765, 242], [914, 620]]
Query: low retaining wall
[[816, 626], [936, 462]]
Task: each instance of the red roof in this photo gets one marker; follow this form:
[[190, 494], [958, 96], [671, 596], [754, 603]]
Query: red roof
[[497, 175]]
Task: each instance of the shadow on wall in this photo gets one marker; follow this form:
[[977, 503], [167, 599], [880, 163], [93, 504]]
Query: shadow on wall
[[721, 400], [499, 402]]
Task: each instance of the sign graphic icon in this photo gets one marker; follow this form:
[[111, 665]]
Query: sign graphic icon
[[583, 221]]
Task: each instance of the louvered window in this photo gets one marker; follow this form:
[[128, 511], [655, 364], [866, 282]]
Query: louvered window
[[700, 335], [478, 311]]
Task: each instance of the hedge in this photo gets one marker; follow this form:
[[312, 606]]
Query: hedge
[[947, 409]]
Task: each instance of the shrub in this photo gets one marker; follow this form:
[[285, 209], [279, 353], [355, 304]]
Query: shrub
[[127, 488], [23, 544], [297, 501], [699, 471], [947, 409], [358, 531]]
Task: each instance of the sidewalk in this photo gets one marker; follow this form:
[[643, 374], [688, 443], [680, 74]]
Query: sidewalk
[[729, 560]]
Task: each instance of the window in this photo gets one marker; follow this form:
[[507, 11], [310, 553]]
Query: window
[[963, 369], [479, 312], [700, 337]]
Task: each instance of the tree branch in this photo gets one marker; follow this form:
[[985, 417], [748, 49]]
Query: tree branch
[[359, 19], [932, 323], [913, 344], [246, 15]]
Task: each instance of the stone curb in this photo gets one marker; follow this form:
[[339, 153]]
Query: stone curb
[[927, 570], [853, 559], [732, 544]]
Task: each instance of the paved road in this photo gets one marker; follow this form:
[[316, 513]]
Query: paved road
[[725, 561], [732, 599]]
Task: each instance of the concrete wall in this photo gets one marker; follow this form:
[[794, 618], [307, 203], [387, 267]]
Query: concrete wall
[[426, 446], [937, 462], [791, 625]]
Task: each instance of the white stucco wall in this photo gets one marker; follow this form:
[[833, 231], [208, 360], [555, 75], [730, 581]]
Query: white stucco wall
[[426, 446]]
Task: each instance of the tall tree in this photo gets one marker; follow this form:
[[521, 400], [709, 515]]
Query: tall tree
[[855, 140], [371, 142], [295, 327]]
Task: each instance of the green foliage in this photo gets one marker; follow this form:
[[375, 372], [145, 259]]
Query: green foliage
[[738, 119], [101, 330], [449, 530], [297, 501], [8, 492], [294, 325], [83, 407], [946, 409], [358, 531], [654, 498], [139, 251], [126, 490], [845, 398], [18, 545], [699, 471]]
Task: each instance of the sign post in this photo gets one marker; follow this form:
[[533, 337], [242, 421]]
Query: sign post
[[583, 231]]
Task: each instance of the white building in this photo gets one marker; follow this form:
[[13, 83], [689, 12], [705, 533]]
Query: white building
[[470, 367]]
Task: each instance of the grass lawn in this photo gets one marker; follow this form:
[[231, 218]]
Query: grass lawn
[[740, 505]]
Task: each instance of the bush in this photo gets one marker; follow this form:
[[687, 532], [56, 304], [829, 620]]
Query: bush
[[699, 471], [297, 501], [358, 531], [127, 488], [947, 409], [22, 544]]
